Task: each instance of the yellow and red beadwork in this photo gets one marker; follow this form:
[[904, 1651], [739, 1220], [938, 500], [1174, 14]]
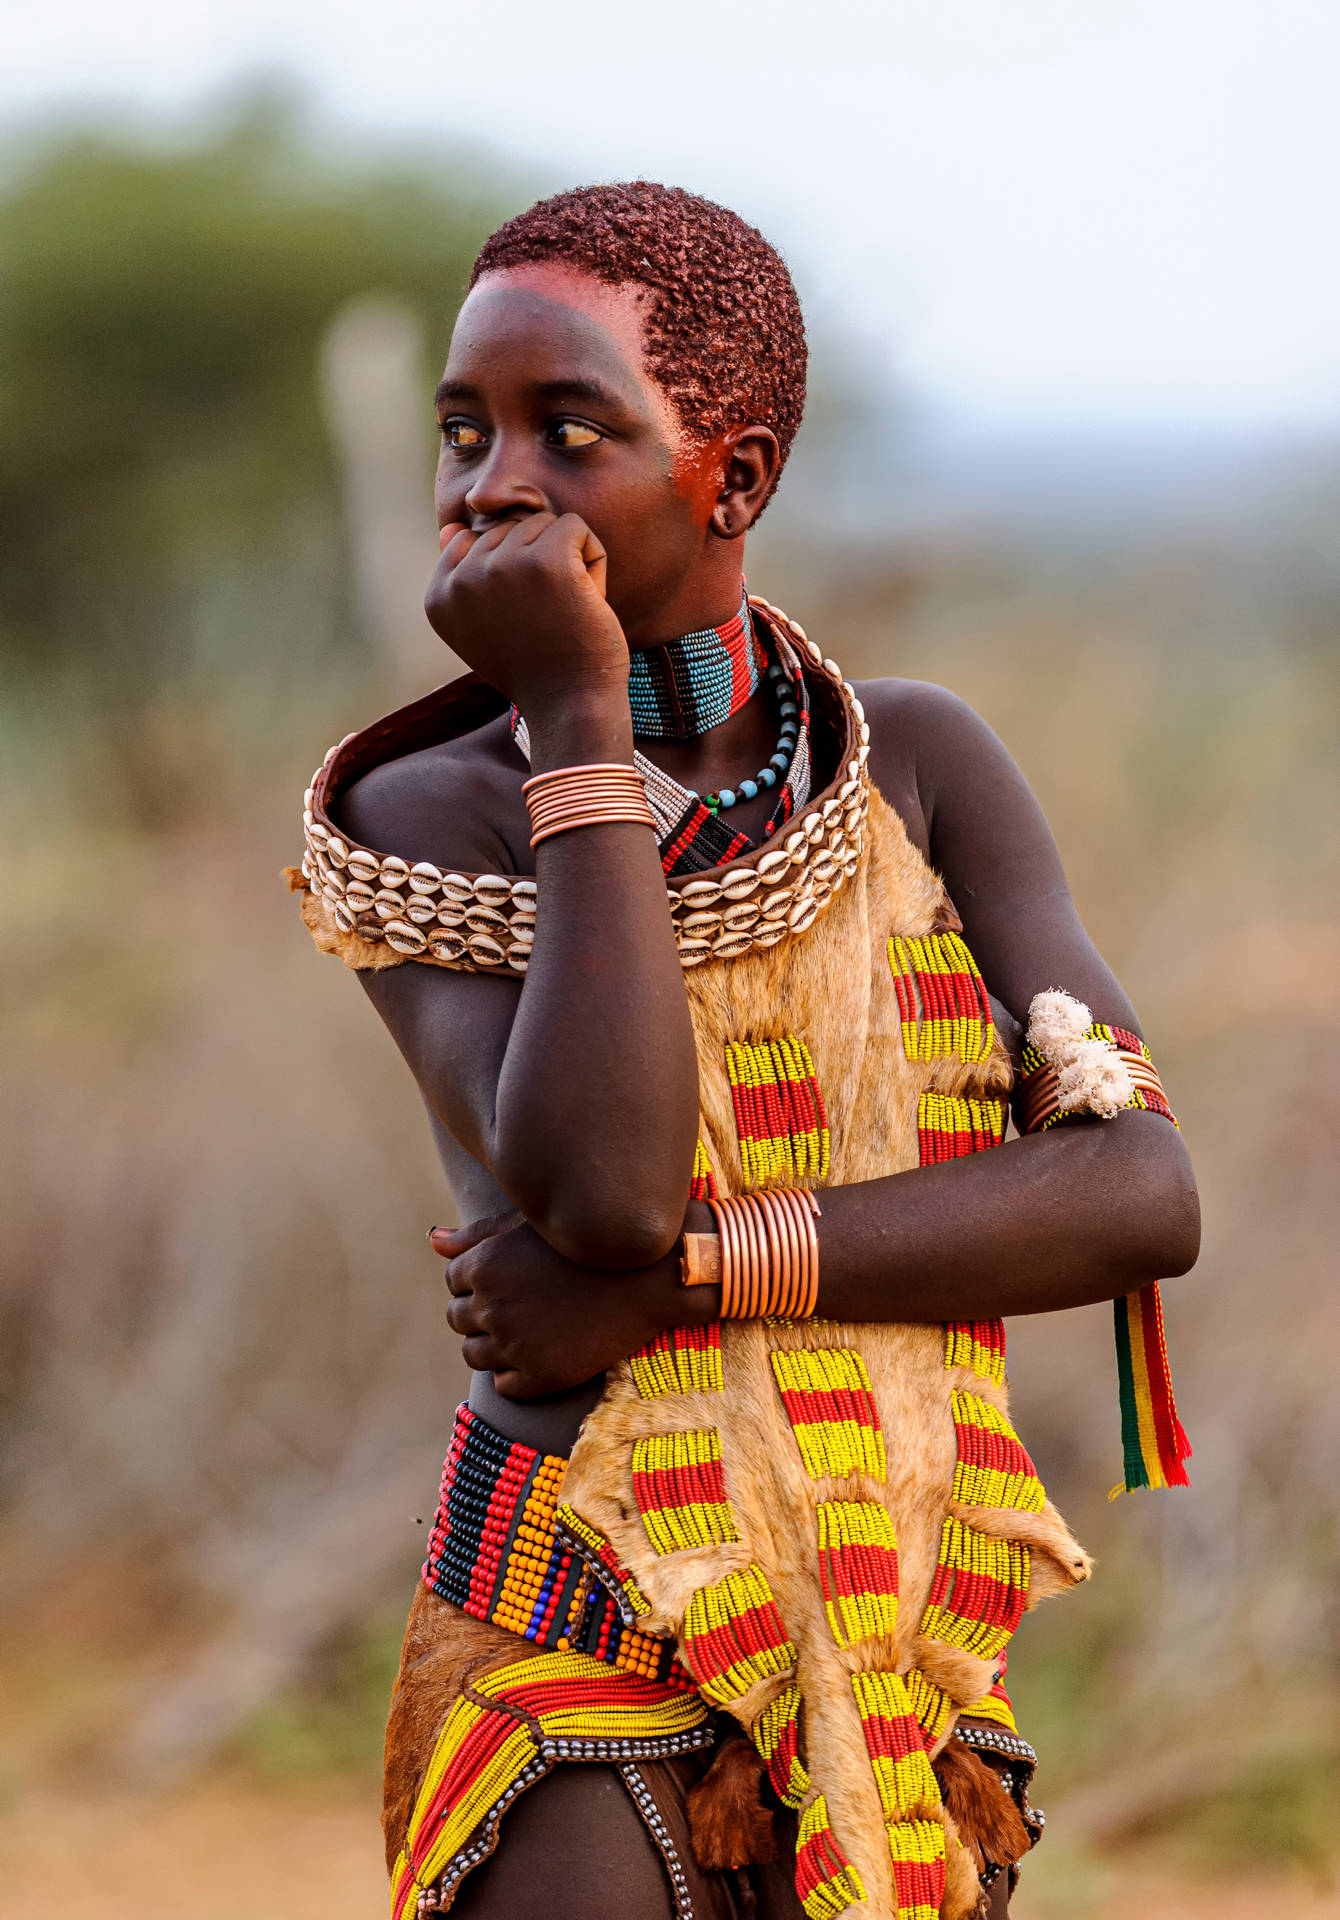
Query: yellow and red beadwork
[[826, 1881], [979, 1344], [858, 1569], [993, 1468], [950, 1127], [776, 1735], [513, 1726], [733, 1636], [829, 1401], [679, 1485], [977, 1595], [684, 1360], [779, 1112], [894, 1741], [917, 1850], [942, 1001]]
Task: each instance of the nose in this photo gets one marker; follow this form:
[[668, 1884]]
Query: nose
[[501, 489]]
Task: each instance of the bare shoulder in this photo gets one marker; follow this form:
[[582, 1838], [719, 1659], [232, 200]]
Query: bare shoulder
[[458, 804], [921, 735]]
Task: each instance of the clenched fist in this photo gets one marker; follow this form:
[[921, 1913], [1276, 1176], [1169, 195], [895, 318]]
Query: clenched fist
[[523, 603]]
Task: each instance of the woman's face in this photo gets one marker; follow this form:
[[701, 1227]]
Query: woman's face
[[547, 406]]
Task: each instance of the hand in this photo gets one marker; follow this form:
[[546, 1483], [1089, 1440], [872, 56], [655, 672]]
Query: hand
[[540, 1323], [523, 603]]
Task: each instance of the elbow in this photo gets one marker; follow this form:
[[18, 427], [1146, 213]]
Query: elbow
[[610, 1240], [1168, 1220], [593, 1223]]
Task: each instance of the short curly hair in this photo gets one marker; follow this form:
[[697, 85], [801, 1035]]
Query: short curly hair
[[725, 338]]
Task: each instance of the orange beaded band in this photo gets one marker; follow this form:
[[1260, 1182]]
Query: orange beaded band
[[767, 1257], [597, 795]]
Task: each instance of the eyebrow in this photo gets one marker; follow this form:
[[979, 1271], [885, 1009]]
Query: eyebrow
[[550, 390]]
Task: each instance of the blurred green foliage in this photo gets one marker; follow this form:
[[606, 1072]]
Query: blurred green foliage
[[166, 479]]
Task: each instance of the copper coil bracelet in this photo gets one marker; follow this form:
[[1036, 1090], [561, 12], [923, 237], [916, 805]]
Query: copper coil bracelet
[[1040, 1100], [597, 795], [764, 1254]]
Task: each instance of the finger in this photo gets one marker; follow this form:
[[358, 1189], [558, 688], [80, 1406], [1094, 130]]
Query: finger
[[589, 548], [480, 1353], [451, 1241], [457, 1279], [448, 533], [463, 1315]]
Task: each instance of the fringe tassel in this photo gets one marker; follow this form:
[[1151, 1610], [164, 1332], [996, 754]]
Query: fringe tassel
[[1153, 1441]]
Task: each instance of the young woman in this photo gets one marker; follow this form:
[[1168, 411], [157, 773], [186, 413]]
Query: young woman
[[713, 972]]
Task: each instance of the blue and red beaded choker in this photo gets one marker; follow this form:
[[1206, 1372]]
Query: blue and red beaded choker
[[694, 832], [685, 687]]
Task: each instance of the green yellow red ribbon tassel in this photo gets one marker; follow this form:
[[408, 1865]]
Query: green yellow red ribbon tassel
[[1153, 1440]]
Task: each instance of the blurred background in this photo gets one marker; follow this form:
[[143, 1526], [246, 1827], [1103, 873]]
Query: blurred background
[[1073, 450]]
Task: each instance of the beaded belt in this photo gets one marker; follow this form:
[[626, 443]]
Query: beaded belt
[[495, 1552]]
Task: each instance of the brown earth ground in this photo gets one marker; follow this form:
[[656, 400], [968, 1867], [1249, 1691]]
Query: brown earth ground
[[229, 1852]]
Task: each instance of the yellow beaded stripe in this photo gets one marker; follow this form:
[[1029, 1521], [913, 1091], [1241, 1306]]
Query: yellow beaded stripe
[[979, 1344], [776, 1734], [486, 1750], [858, 1569], [993, 1470], [779, 1111], [977, 1596], [941, 998], [684, 1360], [994, 1706], [831, 1407], [897, 1750], [734, 1636], [680, 1488]]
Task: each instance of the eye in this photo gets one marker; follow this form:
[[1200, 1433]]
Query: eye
[[460, 433], [573, 434]]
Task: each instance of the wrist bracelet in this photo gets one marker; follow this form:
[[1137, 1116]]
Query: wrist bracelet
[[764, 1255], [597, 795]]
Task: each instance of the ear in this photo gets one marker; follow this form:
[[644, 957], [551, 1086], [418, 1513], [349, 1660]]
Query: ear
[[750, 463]]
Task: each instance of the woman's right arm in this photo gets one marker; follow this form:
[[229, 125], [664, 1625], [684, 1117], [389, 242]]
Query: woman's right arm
[[578, 1090]]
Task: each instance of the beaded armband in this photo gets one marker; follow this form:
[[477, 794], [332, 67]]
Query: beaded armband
[[1074, 1065]]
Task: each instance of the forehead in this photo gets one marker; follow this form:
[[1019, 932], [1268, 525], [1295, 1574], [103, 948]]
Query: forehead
[[545, 322]]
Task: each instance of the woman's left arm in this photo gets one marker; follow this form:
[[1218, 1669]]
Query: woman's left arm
[[1058, 1219]]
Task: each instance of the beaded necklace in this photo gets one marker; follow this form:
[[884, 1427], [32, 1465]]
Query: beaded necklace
[[690, 830]]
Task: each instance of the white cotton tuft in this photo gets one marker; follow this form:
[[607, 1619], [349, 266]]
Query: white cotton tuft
[[1095, 1079], [1057, 1024]]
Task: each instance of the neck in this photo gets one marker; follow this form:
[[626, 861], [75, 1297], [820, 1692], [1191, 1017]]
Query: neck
[[686, 686]]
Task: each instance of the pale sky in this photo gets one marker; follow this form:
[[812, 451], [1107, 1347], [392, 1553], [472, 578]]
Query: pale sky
[[1039, 212]]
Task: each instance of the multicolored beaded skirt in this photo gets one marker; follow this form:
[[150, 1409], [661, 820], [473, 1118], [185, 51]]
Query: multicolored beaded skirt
[[495, 1551]]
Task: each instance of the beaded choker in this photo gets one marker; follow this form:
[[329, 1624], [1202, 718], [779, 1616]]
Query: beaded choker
[[692, 833], [690, 685]]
